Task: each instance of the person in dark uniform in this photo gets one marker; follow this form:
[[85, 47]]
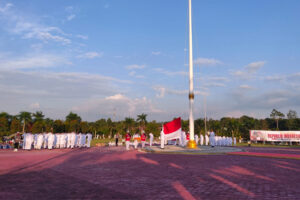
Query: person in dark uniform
[[117, 138]]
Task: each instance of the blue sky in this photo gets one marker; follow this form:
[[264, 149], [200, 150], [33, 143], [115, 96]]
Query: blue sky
[[120, 58]]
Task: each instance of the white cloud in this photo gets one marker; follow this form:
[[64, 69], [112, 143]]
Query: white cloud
[[135, 67], [156, 53], [5, 8], [254, 66], [30, 30], [69, 8], [134, 74], [34, 106], [207, 61], [170, 73], [19, 24], [84, 37], [58, 92], [235, 114], [218, 78], [214, 84], [247, 87], [70, 17], [123, 105], [139, 76], [116, 97], [273, 78], [91, 55], [249, 70], [162, 91], [34, 61], [37, 46]]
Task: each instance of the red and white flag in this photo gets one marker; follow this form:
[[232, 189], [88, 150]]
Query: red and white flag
[[171, 130]]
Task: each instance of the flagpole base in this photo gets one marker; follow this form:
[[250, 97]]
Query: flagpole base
[[192, 144]]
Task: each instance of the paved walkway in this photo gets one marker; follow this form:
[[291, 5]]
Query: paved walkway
[[112, 173], [199, 150]]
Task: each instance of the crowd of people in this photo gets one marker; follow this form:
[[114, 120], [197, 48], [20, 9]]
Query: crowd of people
[[30, 141], [210, 139], [58, 140]]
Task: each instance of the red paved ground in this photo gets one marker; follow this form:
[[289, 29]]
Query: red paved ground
[[112, 173]]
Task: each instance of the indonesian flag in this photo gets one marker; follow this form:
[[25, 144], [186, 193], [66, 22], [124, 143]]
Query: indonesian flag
[[172, 130]]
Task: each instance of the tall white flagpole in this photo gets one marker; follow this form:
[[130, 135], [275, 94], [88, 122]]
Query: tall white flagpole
[[192, 143]]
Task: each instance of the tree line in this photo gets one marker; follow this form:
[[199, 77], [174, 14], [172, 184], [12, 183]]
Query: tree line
[[226, 126]]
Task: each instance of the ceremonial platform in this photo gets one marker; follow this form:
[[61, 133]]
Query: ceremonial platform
[[172, 149]]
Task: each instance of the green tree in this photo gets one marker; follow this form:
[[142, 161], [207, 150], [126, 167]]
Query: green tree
[[199, 126], [276, 115], [142, 119], [84, 127], [246, 124], [110, 126], [129, 122], [185, 125], [58, 126], [15, 125], [38, 116], [4, 123], [48, 125], [292, 114], [153, 127], [73, 122], [73, 116], [38, 126], [26, 118], [293, 121], [73, 126]]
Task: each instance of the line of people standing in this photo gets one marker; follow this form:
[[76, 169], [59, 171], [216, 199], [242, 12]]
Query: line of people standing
[[137, 138], [209, 139], [58, 140]]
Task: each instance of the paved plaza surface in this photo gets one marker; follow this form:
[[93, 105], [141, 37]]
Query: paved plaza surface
[[113, 173], [199, 150]]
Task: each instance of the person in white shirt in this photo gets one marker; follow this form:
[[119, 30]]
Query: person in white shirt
[[51, 138], [89, 140], [206, 139], [39, 141], [45, 142], [183, 138], [83, 140], [151, 139], [212, 139], [24, 140], [196, 139], [136, 140], [78, 143], [57, 140], [73, 140], [201, 140], [62, 142], [34, 141], [29, 141]]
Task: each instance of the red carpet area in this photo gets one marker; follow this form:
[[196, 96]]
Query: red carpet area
[[113, 173]]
